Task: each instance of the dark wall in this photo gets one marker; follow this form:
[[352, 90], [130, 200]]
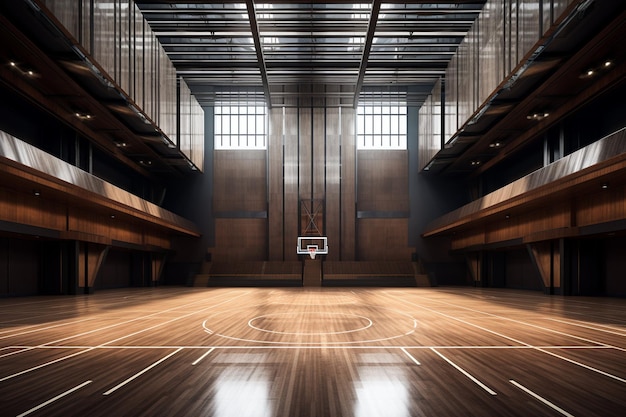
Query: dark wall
[[615, 266], [431, 196], [115, 271], [192, 199], [520, 273], [19, 267]]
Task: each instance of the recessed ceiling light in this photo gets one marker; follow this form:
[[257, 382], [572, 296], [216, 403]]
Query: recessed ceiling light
[[538, 116]]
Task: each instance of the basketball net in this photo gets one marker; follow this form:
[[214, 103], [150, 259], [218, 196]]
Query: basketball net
[[312, 252]]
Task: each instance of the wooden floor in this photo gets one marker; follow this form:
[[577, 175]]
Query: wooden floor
[[302, 353]]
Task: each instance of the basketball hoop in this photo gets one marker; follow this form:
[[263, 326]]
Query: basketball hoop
[[312, 246]]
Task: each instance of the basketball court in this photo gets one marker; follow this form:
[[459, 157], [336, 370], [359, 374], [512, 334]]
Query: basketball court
[[313, 352]]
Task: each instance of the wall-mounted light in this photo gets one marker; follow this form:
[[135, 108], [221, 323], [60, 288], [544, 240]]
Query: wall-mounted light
[[605, 186], [36, 193]]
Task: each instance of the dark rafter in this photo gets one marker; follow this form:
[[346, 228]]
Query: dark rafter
[[254, 27], [369, 38]]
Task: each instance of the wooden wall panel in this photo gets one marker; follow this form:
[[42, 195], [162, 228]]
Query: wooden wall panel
[[467, 239], [239, 181], [383, 181], [600, 207], [239, 240], [85, 221], [154, 238], [31, 210], [383, 240]]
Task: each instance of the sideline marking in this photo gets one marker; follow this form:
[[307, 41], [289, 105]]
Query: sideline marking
[[458, 368], [197, 361], [51, 400], [590, 327], [410, 356], [540, 398], [138, 374]]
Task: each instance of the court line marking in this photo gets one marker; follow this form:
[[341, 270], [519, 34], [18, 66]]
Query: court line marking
[[40, 329], [444, 347], [103, 344], [239, 309], [138, 374], [34, 368], [197, 361], [410, 356], [367, 326], [529, 324], [467, 374], [591, 368], [51, 400], [591, 327], [100, 329], [540, 398], [615, 377]]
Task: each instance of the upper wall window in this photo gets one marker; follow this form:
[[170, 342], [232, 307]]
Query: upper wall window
[[381, 126], [240, 125]]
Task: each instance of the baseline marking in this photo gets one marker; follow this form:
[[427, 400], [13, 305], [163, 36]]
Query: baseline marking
[[197, 361], [51, 400], [461, 370], [540, 398], [410, 356], [138, 374]]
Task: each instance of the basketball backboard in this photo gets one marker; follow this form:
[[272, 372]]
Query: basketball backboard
[[312, 245]]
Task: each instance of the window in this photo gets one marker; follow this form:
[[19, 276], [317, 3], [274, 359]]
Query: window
[[381, 126], [240, 125]]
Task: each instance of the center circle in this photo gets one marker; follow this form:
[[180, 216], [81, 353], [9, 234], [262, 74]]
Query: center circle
[[310, 324]]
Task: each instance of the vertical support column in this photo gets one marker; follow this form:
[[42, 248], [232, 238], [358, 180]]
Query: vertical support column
[[475, 267], [90, 259], [305, 162], [291, 200], [348, 184], [275, 165], [333, 181], [546, 257]]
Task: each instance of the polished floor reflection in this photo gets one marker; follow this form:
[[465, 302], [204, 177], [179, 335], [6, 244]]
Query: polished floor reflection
[[324, 352]]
